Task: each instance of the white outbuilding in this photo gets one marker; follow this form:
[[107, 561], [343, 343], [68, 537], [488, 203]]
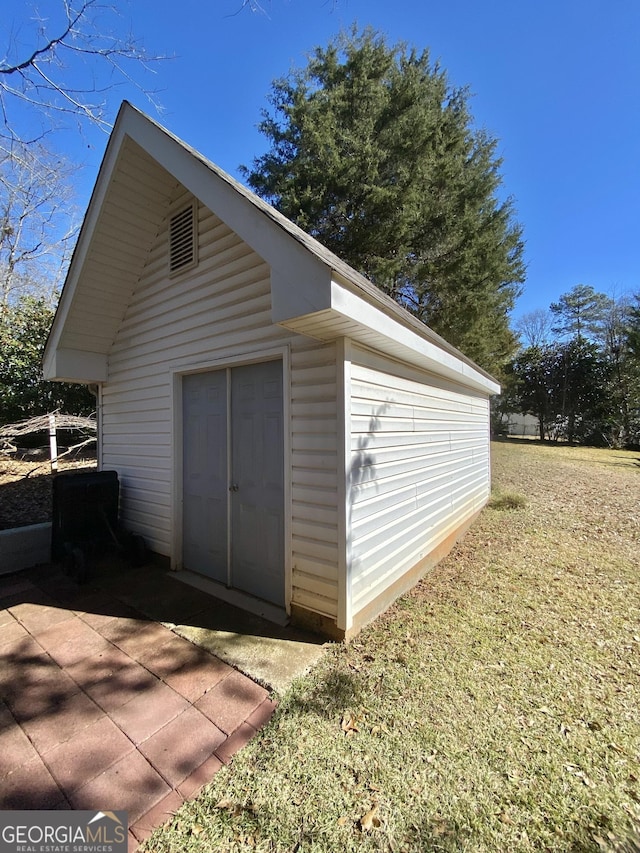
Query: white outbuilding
[[284, 433]]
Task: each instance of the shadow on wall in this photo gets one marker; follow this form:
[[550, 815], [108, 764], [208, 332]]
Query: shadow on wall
[[361, 471], [363, 461]]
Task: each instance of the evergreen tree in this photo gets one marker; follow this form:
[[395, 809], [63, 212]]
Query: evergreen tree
[[24, 327], [375, 154], [631, 349], [581, 313], [533, 370], [633, 328], [566, 387], [580, 397]]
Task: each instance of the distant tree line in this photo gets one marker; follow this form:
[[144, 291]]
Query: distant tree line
[[578, 370]]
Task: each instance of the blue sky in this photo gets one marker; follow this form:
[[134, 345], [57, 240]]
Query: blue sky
[[556, 81]]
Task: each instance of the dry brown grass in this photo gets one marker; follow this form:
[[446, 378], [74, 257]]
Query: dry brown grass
[[494, 708]]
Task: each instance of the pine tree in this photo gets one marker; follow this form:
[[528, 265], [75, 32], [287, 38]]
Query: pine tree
[[375, 154], [581, 313]]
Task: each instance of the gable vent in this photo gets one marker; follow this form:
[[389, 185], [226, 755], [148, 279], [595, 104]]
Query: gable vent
[[182, 239]]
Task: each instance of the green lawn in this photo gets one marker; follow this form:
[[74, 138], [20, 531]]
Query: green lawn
[[494, 708]]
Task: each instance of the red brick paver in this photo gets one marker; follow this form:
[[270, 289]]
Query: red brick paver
[[200, 740], [102, 708], [88, 754], [131, 783], [231, 701], [148, 712]]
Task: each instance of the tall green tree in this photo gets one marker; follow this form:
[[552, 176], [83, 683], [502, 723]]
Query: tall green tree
[[580, 392], [533, 370], [630, 349], [633, 328], [565, 385], [374, 153], [581, 313]]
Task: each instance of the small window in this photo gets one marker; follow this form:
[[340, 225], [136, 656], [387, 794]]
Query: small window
[[183, 245]]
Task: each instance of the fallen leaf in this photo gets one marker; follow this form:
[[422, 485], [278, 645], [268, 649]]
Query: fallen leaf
[[349, 724], [343, 820], [370, 820], [196, 829], [235, 809]]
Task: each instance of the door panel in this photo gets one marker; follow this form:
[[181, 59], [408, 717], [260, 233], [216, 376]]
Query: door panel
[[205, 474], [257, 465], [253, 496]]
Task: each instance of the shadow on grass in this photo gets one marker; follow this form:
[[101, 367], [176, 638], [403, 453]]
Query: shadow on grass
[[335, 693]]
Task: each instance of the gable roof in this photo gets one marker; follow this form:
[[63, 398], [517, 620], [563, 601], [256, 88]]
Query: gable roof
[[314, 292]]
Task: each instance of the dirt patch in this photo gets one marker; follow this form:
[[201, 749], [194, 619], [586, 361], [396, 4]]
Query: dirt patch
[[26, 489]]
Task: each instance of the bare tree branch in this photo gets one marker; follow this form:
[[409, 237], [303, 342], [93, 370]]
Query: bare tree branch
[[37, 221], [51, 45], [83, 44]]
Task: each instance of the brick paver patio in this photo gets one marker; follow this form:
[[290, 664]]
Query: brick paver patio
[[101, 708]]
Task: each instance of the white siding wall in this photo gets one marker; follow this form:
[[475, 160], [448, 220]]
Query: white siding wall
[[419, 468], [314, 476], [220, 309]]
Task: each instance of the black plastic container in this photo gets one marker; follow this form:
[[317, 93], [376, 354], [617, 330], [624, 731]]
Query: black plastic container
[[85, 512]]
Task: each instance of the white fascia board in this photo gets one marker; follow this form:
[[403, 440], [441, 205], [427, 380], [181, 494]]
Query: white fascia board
[[421, 351], [72, 365]]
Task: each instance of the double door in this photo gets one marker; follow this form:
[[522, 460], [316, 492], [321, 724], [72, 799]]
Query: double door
[[233, 478]]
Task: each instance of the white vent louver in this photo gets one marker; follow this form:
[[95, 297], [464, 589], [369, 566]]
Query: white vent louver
[[182, 239]]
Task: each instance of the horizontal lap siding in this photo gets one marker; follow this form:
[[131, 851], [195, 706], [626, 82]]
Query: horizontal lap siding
[[221, 308], [314, 476], [419, 468]]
